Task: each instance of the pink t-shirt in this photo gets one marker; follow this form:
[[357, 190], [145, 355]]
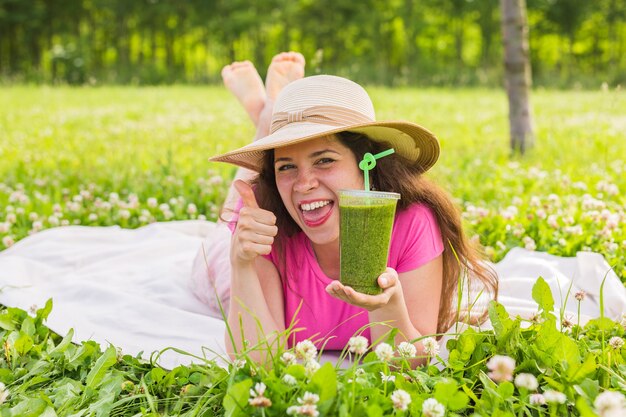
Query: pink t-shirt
[[327, 321]]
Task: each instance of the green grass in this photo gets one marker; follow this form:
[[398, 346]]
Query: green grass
[[101, 156], [154, 142]]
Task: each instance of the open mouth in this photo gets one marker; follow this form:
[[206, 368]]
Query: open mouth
[[315, 213]]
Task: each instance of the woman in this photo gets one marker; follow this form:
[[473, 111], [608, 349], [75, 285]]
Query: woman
[[284, 252]]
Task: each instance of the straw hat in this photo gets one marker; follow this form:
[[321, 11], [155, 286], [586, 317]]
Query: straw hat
[[321, 105]]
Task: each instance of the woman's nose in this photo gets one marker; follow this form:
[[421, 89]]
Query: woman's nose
[[306, 181]]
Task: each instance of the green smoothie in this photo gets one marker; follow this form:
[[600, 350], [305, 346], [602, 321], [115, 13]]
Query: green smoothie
[[365, 232]]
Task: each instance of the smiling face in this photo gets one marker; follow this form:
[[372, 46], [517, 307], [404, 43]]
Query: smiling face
[[308, 177]]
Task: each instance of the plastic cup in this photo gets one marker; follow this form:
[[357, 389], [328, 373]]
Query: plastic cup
[[366, 221]]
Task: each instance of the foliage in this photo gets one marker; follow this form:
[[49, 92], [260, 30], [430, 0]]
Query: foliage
[[568, 369], [411, 42], [120, 154]]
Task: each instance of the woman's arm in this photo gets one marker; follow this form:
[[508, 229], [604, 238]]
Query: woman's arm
[[256, 298], [256, 293]]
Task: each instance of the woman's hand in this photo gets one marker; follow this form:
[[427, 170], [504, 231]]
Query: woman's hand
[[388, 281], [255, 229]]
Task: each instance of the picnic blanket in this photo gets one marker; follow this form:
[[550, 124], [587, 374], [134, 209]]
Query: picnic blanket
[[131, 288]]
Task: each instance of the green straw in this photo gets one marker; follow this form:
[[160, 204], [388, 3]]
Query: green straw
[[369, 162]]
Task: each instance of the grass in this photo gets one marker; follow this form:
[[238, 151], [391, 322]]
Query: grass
[[130, 156], [154, 142]]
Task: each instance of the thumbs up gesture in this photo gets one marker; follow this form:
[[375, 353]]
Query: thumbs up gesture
[[255, 229]]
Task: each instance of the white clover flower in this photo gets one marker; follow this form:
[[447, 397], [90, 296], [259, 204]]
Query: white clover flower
[[11, 218], [384, 352], [387, 378], [501, 368], [257, 396], [309, 398], [191, 208], [92, 217], [529, 243], [306, 350], [610, 404], [358, 345], [5, 227], [401, 400], [290, 380], [433, 408], [623, 321], [124, 214], [526, 381], [32, 310], [4, 393], [307, 407], [616, 342], [114, 198], [406, 349], [431, 347], [164, 207], [553, 396], [152, 202], [359, 372], [168, 214], [288, 358], [8, 241], [53, 220], [553, 221], [311, 366], [201, 217], [32, 216], [239, 364], [580, 295], [537, 399]]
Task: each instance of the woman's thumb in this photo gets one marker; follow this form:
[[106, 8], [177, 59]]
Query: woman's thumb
[[246, 193]]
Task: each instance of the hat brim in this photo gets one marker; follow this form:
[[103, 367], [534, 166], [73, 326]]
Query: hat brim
[[409, 140]]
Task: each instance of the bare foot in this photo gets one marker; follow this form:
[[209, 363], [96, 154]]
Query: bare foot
[[285, 68], [243, 80]]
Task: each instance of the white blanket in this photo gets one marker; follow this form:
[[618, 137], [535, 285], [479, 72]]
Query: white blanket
[[130, 288]]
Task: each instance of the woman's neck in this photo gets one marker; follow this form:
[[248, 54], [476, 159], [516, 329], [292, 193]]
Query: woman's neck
[[327, 256]]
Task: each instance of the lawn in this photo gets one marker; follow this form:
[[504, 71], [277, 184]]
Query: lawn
[[130, 156]]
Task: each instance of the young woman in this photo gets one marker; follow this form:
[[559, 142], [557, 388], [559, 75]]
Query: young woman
[[284, 250]]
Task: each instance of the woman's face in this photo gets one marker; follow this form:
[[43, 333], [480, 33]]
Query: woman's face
[[308, 177]]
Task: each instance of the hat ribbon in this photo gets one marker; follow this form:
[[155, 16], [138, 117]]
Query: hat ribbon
[[327, 115]]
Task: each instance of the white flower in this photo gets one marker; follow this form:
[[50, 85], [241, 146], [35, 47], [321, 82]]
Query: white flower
[[358, 345], [537, 399], [5, 227], [309, 398], [307, 407], [239, 364], [257, 396], [11, 218], [4, 393], [290, 379], [124, 214], [306, 350], [580, 295], [616, 342], [191, 208], [384, 351], [311, 366], [92, 217], [553, 396], [152, 202], [407, 349], [501, 368], [8, 241], [529, 243], [387, 378], [623, 320], [288, 358], [526, 381], [401, 400], [610, 404], [433, 408], [431, 347]]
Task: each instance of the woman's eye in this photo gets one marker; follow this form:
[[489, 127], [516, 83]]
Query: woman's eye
[[325, 161], [284, 167]]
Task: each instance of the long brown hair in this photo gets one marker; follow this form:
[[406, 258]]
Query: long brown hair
[[396, 174]]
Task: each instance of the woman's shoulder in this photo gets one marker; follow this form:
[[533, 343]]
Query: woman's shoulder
[[416, 211]]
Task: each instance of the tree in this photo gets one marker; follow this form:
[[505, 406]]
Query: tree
[[517, 73]]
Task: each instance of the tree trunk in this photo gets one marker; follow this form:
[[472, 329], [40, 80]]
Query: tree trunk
[[517, 73]]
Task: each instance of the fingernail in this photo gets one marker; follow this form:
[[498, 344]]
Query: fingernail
[[384, 281]]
